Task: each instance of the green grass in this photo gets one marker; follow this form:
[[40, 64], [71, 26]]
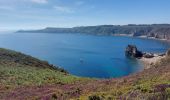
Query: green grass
[[19, 72], [19, 75], [143, 89]]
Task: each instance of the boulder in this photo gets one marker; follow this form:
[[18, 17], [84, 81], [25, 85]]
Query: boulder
[[132, 51]]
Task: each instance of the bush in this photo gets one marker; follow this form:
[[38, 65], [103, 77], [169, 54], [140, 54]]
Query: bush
[[94, 97]]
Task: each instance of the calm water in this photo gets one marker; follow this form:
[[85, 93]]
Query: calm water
[[83, 55]]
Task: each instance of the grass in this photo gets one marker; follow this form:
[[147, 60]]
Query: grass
[[143, 89], [19, 75], [13, 57]]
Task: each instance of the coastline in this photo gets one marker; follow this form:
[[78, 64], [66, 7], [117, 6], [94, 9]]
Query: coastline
[[153, 38], [150, 62], [142, 37]]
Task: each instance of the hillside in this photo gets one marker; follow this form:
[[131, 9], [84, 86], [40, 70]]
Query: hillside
[[161, 31], [24, 77], [18, 70], [9, 56]]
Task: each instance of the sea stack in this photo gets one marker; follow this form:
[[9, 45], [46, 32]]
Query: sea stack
[[132, 51]]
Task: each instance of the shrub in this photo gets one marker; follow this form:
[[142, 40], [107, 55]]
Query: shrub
[[94, 97]]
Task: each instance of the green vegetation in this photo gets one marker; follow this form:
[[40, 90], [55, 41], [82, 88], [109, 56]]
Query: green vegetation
[[19, 71], [20, 75], [24, 77], [9, 57]]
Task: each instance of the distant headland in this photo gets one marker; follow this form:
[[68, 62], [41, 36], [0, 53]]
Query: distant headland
[[159, 31]]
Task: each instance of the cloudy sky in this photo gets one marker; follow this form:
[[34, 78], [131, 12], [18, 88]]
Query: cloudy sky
[[35, 14]]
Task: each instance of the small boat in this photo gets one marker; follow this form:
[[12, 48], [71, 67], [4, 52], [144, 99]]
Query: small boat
[[81, 60]]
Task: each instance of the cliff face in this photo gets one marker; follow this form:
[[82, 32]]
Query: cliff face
[[161, 31]]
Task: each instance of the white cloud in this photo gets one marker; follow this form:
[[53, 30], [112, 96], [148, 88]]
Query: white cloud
[[40, 1], [63, 9]]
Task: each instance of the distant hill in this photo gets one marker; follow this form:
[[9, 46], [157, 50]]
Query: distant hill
[[161, 31]]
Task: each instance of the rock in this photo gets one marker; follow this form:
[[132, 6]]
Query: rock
[[148, 55], [132, 51], [168, 53]]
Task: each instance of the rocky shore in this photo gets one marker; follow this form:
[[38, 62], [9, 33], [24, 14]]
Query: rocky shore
[[149, 62], [153, 38], [148, 59]]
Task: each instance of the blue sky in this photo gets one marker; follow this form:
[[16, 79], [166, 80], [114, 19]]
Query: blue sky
[[35, 14]]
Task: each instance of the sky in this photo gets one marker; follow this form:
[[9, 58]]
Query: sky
[[36, 14]]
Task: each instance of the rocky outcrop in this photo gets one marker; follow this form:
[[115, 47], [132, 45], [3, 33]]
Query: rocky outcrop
[[132, 51]]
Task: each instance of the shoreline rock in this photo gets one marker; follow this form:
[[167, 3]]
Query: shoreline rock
[[148, 59], [132, 51]]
